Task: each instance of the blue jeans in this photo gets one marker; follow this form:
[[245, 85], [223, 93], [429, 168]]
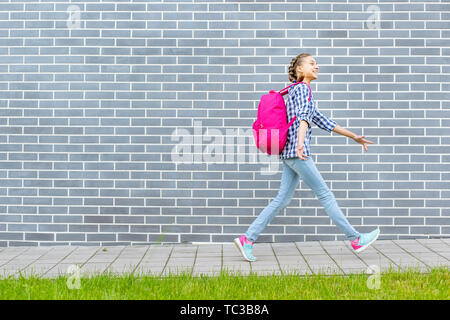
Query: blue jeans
[[293, 169]]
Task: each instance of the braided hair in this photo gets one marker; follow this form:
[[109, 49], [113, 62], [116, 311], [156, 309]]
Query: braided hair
[[295, 62]]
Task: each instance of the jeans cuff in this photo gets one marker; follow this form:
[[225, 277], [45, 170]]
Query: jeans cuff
[[353, 237], [245, 234]]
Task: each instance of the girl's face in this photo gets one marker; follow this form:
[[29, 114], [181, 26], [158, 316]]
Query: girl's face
[[308, 68]]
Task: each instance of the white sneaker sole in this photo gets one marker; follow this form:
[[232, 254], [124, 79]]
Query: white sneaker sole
[[241, 249], [367, 245]]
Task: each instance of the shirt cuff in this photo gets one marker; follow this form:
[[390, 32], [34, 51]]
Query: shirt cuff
[[331, 125], [307, 118]]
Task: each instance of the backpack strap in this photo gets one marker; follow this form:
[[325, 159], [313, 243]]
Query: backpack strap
[[295, 117], [284, 91]]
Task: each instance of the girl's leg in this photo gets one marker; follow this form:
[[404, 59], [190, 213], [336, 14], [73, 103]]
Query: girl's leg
[[312, 177], [289, 182]]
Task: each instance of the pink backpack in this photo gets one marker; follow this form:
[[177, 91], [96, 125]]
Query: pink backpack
[[271, 127]]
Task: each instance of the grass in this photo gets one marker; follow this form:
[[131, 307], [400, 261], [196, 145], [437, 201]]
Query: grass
[[232, 286]]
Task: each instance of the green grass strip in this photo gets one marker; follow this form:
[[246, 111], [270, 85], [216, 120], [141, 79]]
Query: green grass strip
[[227, 285]]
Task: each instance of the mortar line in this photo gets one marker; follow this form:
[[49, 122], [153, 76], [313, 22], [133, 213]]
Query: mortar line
[[84, 263], [411, 254], [150, 253], [142, 258], [60, 260], [195, 260], [446, 244], [278, 261], [20, 270], [306, 261], [110, 264], [359, 257], [167, 261], [328, 254], [380, 252], [435, 252], [11, 259]]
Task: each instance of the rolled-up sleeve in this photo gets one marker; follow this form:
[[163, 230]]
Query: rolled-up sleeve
[[323, 122], [303, 107]]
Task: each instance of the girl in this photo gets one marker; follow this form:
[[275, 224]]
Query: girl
[[297, 161]]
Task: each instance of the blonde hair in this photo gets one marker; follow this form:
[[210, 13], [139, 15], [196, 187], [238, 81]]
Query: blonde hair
[[295, 62]]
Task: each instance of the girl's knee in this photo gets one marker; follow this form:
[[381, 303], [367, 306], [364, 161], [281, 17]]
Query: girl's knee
[[281, 203], [322, 192]]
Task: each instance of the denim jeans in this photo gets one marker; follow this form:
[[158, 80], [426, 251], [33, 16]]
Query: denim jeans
[[293, 169]]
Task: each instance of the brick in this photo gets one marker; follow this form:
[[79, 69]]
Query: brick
[[40, 236]]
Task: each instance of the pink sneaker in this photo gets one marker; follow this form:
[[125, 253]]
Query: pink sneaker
[[365, 240], [245, 247]]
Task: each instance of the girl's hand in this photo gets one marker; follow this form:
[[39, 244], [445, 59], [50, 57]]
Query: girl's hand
[[361, 140], [300, 151]]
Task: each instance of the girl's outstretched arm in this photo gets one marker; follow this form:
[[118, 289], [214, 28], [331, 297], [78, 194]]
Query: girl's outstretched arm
[[344, 132], [354, 136]]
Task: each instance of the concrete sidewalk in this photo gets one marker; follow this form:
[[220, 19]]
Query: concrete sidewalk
[[330, 257]]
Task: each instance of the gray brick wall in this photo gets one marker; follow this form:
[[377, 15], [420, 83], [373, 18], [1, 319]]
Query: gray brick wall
[[95, 108]]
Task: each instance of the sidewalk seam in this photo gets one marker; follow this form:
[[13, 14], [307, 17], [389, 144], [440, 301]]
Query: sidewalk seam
[[433, 250], [60, 261], [4, 264], [359, 257], [115, 259], [306, 261], [20, 270], [381, 253], [411, 254], [326, 252], [278, 261], [195, 260], [167, 261], [142, 258]]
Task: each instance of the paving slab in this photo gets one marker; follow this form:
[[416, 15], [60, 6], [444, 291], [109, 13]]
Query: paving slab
[[405, 261], [380, 261], [350, 270], [309, 250], [262, 251], [338, 250], [37, 269], [143, 270], [208, 261], [295, 269], [121, 268], [445, 255], [326, 269], [287, 252], [209, 251], [348, 261], [440, 246], [63, 269], [94, 267], [291, 260], [198, 271], [327, 257], [154, 259]]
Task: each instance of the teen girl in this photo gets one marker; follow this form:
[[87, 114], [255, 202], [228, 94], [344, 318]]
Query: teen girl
[[298, 163]]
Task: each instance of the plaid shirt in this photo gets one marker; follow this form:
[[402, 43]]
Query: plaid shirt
[[298, 105]]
